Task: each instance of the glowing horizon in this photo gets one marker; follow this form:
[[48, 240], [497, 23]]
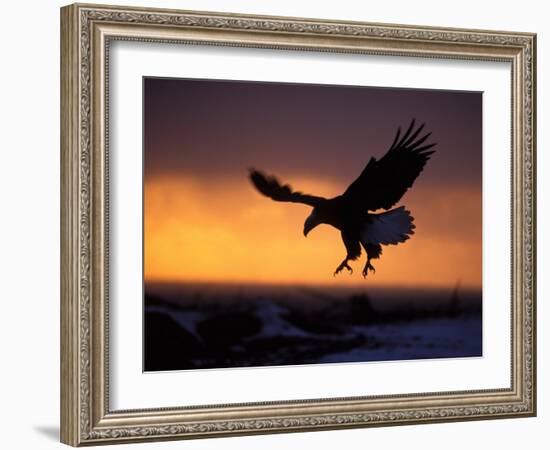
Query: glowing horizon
[[227, 232]]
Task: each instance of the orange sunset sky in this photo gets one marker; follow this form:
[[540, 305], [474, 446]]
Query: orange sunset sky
[[203, 220]]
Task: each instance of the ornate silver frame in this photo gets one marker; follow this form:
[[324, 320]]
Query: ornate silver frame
[[86, 31]]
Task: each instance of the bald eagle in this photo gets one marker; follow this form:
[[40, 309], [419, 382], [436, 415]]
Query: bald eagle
[[380, 185]]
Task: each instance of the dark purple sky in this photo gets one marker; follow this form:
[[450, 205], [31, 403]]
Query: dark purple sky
[[221, 128]]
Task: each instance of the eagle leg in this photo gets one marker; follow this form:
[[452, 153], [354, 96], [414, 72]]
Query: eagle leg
[[343, 265], [373, 252]]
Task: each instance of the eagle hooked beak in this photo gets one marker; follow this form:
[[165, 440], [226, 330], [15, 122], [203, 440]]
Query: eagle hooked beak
[[311, 222]]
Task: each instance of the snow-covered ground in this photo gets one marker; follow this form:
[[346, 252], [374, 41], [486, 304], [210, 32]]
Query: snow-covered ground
[[261, 331]]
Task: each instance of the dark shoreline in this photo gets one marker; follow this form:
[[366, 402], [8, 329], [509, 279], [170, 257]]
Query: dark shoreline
[[199, 327]]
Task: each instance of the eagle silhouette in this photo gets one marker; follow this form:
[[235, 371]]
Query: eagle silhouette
[[380, 185]]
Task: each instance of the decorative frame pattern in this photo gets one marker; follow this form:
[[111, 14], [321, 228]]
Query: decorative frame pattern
[[86, 31]]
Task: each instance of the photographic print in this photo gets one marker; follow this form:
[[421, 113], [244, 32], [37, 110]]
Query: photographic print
[[289, 224]]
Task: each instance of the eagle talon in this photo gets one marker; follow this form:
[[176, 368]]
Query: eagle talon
[[368, 267], [341, 267]]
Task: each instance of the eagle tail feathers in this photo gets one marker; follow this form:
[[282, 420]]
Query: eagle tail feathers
[[391, 227]]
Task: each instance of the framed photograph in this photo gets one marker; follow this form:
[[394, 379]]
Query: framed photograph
[[275, 224]]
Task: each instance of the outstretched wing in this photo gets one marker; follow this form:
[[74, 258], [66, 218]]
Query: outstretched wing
[[270, 187], [383, 182]]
